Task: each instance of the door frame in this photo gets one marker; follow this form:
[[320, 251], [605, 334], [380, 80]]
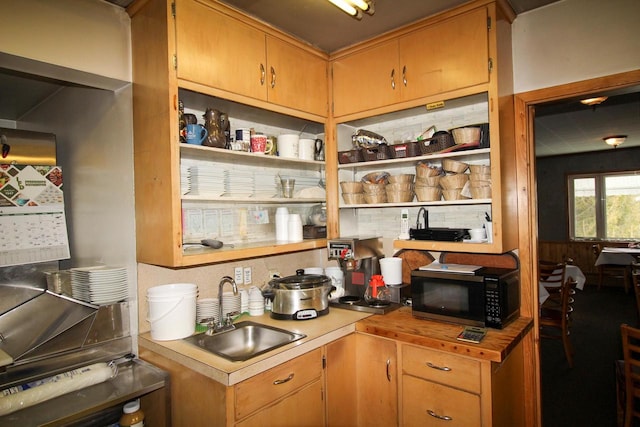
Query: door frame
[[524, 109]]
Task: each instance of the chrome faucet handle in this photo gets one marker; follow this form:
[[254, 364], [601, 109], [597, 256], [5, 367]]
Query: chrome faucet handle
[[229, 320], [211, 325]]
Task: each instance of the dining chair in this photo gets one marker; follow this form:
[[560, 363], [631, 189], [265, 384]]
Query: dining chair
[[635, 281], [610, 270], [555, 323], [552, 275], [630, 375]]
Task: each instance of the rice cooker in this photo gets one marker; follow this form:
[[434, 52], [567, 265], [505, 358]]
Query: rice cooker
[[299, 297]]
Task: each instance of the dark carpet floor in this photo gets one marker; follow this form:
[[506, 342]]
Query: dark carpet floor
[[586, 394]]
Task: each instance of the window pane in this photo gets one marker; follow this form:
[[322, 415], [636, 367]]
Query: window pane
[[622, 206], [584, 202]]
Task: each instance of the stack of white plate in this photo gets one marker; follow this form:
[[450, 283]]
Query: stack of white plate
[[230, 304], [244, 301], [206, 308], [185, 179], [237, 184], [99, 285], [264, 185], [207, 180]]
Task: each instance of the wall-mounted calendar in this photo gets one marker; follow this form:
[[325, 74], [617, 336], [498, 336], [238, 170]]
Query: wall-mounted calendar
[[32, 218]]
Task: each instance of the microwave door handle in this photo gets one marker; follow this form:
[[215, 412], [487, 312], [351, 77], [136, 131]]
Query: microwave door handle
[[439, 368]]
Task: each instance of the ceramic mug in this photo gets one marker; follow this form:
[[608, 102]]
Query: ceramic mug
[[306, 149], [288, 146], [196, 134], [260, 144]]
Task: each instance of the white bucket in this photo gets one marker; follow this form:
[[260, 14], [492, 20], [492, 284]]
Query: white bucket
[[391, 269], [172, 311]]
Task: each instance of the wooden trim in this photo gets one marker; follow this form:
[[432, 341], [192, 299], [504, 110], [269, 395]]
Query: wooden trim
[[527, 212]]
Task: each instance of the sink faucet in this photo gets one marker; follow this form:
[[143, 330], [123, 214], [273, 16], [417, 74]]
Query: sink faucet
[[224, 324]]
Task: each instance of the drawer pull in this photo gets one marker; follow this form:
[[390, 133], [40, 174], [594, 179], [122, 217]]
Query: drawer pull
[[404, 75], [286, 380], [273, 77], [388, 372], [439, 368], [440, 417], [262, 74], [393, 78]]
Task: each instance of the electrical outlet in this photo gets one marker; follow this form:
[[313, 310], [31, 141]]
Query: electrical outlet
[[238, 274], [247, 275], [273, 273]]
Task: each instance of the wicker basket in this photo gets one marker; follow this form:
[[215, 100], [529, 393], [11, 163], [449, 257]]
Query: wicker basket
[[370, 188], [407, 177], [399, 196], [450, 165], [423, 170], [480, 192], [428, 194], [381, 152], [440, 141], [376, 178], [351, 186], [350, 156], [479, 183], [399, 186], [454, 194], [453, 181], [429, 181], [375, 198], [353, 198], [405, 149], [479, 177], [480, 169], [466, 135]]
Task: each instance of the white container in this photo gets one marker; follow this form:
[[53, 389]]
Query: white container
[[314, 270], [477, 234], [306, 149], [337, 276], [282, 224], [288, 146], [489, 228], [172, 311], [294, 228], [391, 269]]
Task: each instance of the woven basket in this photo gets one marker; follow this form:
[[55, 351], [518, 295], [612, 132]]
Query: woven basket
[[440, 141], [423, 170], [480, 192], [375, 198], [370, 188], [480, 169], [479, 183], [353, 198], [450, 165], [351, 186], [408, 177], [350, 156], [453, 181], [429, 181], [479, 177], [453, 194], [428, 194], [399, 196], [466, 135], [376, 178], [399, 186]]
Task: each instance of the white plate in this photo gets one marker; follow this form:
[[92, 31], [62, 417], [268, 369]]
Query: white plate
[[475, 241]]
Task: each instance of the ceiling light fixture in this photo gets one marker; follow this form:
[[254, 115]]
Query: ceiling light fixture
[[594, 101], [615, 140], [355, 7]]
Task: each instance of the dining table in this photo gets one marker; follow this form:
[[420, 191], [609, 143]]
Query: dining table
[[617, 256], [572, 272]]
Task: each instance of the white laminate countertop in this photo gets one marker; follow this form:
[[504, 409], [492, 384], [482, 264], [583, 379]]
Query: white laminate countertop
[[319, 331]]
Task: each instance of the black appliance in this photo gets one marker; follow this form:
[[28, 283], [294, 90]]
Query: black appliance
[[488, 297]]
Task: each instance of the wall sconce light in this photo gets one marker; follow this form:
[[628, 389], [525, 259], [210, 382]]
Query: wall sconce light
[[615, 140], [355, 7]]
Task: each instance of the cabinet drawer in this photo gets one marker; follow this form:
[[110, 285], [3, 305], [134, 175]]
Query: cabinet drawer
[[442, 367], [429, 404], [271, 385]]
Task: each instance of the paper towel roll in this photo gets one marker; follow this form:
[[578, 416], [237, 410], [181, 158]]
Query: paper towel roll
[[26, 395]]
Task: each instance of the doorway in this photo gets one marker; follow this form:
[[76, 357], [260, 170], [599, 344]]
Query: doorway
[[524, 108]]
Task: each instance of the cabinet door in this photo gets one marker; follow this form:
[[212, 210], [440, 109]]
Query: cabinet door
[[366, 79], [341, 383], [377, 381], [449, 55], [220, 51], [427, 404], [302, 408], [296, 78]]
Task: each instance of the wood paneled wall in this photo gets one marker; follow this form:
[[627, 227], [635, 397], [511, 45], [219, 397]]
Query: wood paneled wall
[[580, 252]]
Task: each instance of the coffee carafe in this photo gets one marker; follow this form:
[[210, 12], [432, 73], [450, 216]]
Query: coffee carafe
[[215, 122]]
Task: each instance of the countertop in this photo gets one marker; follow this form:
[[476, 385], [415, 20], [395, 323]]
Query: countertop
[[398, 325], [319, 331]]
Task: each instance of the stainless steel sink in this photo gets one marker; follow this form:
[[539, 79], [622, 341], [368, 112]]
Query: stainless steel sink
[[247, 340]]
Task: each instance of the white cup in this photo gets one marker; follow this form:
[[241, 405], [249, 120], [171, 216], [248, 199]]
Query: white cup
[[294, 229], [489, 228], [288, 146], [477, 234], [391, 269], [306, 149]]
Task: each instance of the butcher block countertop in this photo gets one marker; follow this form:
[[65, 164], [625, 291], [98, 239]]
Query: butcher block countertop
[[400, 325]]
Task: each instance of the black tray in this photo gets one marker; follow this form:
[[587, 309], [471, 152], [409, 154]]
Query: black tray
[[439, 234]]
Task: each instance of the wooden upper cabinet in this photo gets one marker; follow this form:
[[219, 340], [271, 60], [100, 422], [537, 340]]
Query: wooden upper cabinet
[[449, 55], [296, 78], [437, 58], [220, 51], [366, 79]]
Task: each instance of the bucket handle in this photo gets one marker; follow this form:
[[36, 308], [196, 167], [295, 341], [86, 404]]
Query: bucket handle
[[167, 313]]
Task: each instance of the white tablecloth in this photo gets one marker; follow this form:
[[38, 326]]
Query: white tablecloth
[[572, 271], [617, 256]]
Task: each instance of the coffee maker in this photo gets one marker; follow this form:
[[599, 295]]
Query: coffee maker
[[359, 259]]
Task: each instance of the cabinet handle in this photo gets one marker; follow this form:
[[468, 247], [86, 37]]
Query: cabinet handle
[[404, 75], [393, 78], [273, 77], [440, 368], [388, 371], [440, 417], [263, 74], [286, 380]]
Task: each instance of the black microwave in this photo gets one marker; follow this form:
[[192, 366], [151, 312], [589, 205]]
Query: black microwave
[[488, 297]]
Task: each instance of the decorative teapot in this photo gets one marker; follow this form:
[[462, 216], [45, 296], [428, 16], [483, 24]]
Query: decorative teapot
[[216, 122]]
